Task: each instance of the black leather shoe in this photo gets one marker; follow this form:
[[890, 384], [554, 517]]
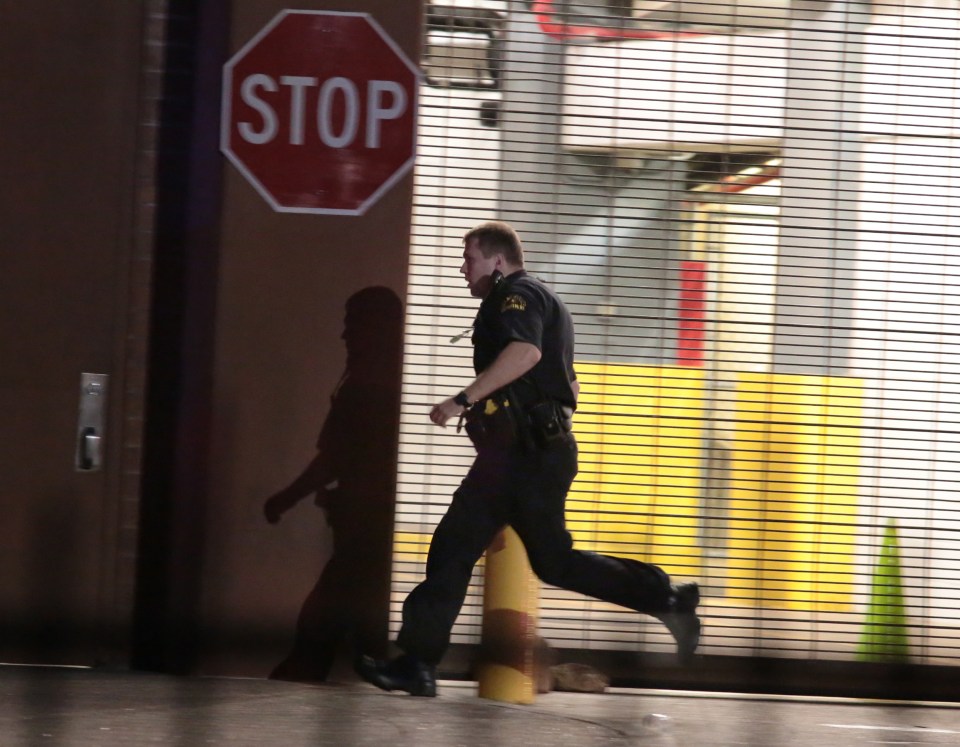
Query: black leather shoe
[[682, 621], [405, 673]]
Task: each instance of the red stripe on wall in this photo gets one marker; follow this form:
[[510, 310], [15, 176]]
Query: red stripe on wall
[[693, 312]]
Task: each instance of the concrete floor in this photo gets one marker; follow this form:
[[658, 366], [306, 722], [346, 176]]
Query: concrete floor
[[72, 707]]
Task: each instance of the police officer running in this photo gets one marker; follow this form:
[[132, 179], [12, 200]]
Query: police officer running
[[518, 414]]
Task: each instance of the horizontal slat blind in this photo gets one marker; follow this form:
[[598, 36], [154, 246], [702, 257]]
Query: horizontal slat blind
[[752, 211]]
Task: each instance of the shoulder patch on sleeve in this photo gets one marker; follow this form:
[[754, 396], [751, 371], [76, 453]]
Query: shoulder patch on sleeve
[[513, 302]]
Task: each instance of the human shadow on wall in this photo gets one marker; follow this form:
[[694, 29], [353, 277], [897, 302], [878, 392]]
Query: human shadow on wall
[[353, 478]]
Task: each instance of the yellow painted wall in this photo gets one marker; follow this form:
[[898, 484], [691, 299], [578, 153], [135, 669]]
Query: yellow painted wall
[[640, 434], [794, 480], [795, 446]]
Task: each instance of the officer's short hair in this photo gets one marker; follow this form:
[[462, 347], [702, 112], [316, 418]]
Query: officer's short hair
[[497, 237]]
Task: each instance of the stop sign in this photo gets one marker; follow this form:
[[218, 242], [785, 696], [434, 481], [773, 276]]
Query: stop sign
[[319, 112]]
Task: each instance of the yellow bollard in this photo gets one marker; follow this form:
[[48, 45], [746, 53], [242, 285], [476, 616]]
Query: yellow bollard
[[884, 636], [510, 600]]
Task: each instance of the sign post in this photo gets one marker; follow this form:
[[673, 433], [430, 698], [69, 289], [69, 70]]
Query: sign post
[[319, 112]]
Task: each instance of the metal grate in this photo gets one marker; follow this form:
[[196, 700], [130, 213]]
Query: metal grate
[[755, 230]]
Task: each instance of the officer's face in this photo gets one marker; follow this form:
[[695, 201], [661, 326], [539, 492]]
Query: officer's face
[[477, 269]]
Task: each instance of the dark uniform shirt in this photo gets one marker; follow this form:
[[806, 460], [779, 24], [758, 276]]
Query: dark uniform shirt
[[521, 308]]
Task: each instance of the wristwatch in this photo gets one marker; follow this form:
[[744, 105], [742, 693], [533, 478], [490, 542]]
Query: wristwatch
[[462, 399]]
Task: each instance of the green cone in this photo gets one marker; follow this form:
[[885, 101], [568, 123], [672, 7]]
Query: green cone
[[884, 637]]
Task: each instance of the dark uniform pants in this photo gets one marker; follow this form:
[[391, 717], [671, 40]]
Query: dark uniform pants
[[525, 488]]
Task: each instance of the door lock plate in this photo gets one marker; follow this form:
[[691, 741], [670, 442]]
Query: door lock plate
[[90, 423]]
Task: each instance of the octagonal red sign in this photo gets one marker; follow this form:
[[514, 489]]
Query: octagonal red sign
[[319, 112]]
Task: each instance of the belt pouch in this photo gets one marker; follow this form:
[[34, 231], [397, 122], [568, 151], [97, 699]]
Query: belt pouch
[[545, 422]]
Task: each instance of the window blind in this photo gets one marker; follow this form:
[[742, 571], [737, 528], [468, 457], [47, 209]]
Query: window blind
[[751, 209]]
